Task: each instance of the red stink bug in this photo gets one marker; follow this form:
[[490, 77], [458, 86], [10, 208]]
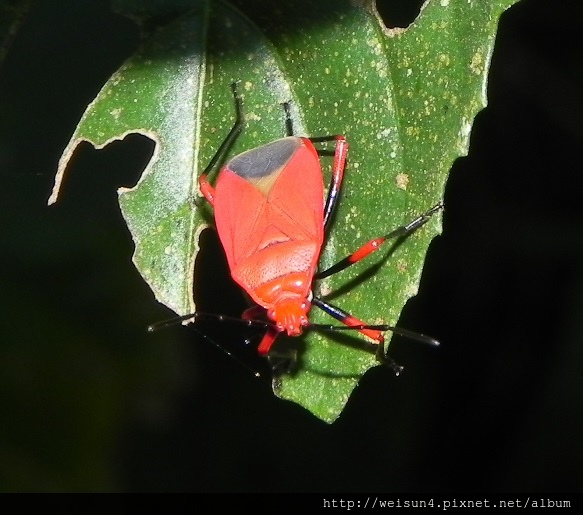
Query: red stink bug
[[271, 219]]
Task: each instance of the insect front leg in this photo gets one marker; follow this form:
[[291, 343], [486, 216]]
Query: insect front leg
[[270, 335], [372, 331]]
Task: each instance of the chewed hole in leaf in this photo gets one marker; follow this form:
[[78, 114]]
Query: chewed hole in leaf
[[398, 14], [119, 164]]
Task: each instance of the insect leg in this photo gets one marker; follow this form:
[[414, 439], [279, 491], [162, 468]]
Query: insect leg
[[205, 187], [372, 331], [338, 166], [374, 244], [270, 334]]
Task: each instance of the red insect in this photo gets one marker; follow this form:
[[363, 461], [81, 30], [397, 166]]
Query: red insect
[[271, 219]]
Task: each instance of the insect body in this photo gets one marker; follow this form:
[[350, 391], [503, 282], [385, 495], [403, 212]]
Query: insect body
[[271, 218], [269, 212]]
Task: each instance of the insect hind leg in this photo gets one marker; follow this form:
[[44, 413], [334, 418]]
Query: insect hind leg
[[205, 187]]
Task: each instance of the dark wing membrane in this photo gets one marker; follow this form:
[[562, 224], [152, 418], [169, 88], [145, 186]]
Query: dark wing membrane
[[260, 162], [250, 219]]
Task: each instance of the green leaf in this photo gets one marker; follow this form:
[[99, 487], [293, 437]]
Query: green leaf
[[405, 99]]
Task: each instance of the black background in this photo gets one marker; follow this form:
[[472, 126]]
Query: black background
[[90, 402]]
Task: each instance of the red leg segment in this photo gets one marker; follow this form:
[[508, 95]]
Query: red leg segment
[[348, 320], [206, 189], [270, 334], [338, 167], [374, 244]]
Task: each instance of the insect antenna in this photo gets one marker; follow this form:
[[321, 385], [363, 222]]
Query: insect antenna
[[200, 316], [412, 335], [353, 324]]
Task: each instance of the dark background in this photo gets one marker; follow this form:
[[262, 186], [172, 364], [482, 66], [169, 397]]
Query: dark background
[[90, 402]]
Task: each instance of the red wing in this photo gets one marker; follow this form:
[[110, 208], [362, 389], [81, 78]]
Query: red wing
[[239, 207], [248, 220], [297, 198]]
